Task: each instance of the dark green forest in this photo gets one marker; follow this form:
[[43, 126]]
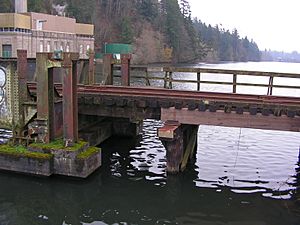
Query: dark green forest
[[159, 30]]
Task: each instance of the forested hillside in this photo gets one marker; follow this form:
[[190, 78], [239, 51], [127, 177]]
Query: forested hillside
[[160, 30]]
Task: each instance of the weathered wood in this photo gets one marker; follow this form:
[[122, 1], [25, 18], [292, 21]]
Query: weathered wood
[[171, 135], [166, 79], [191, 144], [220, 118], [170, 80], [270, 87], [198, 81], [230, 72], [234, 83]]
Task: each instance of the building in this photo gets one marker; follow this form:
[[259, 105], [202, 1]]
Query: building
[[38, 32]]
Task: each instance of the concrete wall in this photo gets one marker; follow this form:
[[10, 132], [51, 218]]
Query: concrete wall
[[38, 32], [15, 20], [53, 23], [42, 167], [32, 42]]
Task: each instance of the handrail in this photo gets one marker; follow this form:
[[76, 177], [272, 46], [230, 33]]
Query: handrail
[[166, 75], [225, 71]]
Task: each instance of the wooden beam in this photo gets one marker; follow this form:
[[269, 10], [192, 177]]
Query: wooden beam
[[219, 118]]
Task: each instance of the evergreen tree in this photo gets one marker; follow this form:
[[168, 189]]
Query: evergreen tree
[[6, 6], [185, 9]]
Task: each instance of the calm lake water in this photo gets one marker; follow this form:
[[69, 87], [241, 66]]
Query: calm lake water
[[237, 177]]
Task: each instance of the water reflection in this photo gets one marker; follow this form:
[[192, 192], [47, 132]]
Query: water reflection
[[132, 188], [238, 177]]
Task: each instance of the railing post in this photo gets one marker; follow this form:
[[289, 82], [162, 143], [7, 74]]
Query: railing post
[[270, 87], [234, 83], [198, 81], [170, 80], [147, 78], [166, 79]]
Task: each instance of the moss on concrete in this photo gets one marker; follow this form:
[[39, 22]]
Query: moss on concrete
[[58, 145], [21, 151], [87, 153]]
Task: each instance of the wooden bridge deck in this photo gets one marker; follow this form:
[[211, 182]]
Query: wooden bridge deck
[[189, 107]]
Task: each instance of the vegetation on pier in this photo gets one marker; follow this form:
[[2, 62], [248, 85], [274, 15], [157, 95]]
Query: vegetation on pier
[[59, 145], [87, 153], [161, 30], [21, 151]]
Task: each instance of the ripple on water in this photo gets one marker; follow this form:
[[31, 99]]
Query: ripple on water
[[259, 161], [245, 160], [5, 135]]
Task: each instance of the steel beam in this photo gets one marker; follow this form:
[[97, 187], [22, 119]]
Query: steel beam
[[108, 69], [91, 68], [125, 69], [22, 87], [45, 98], [70, 104]]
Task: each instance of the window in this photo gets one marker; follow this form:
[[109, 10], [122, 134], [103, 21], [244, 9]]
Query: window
[[41, 46], [39, 24], [62, 46], [67, 47], [6, 51], [56, 45], [80, 49], [48, 46]]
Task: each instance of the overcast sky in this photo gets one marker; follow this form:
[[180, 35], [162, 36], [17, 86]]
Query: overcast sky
[[272, 24]]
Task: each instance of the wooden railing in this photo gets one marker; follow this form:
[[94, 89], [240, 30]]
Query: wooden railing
[[165, 74]]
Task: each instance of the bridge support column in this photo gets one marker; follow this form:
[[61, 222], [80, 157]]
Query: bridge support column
[[45, 99], [180, 141], [91, 68], [125, 69], [20, 93], [108, 69], [70, 102]]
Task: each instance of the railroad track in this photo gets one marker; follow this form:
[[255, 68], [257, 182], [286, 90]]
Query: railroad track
[[159, 93]]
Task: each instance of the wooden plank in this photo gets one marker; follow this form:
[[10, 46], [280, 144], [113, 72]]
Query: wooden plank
[[168, 131], [220, 118]]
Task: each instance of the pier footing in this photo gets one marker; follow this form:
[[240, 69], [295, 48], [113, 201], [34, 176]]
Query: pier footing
[[39, 159], [180, 141]]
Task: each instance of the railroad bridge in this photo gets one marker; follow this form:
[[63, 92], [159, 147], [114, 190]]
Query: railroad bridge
[[57, 96]]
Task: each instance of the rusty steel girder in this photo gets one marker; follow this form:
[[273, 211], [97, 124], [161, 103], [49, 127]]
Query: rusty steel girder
[[70, 102], [48, 112]]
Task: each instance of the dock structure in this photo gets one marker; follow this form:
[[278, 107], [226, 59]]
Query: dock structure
[[59, 112]]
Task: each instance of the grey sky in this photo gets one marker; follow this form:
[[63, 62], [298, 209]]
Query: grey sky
[[272, 24]]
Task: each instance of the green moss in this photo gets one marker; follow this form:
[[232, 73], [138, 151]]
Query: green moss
[[21, 151], [59, 144], [89, 152]]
